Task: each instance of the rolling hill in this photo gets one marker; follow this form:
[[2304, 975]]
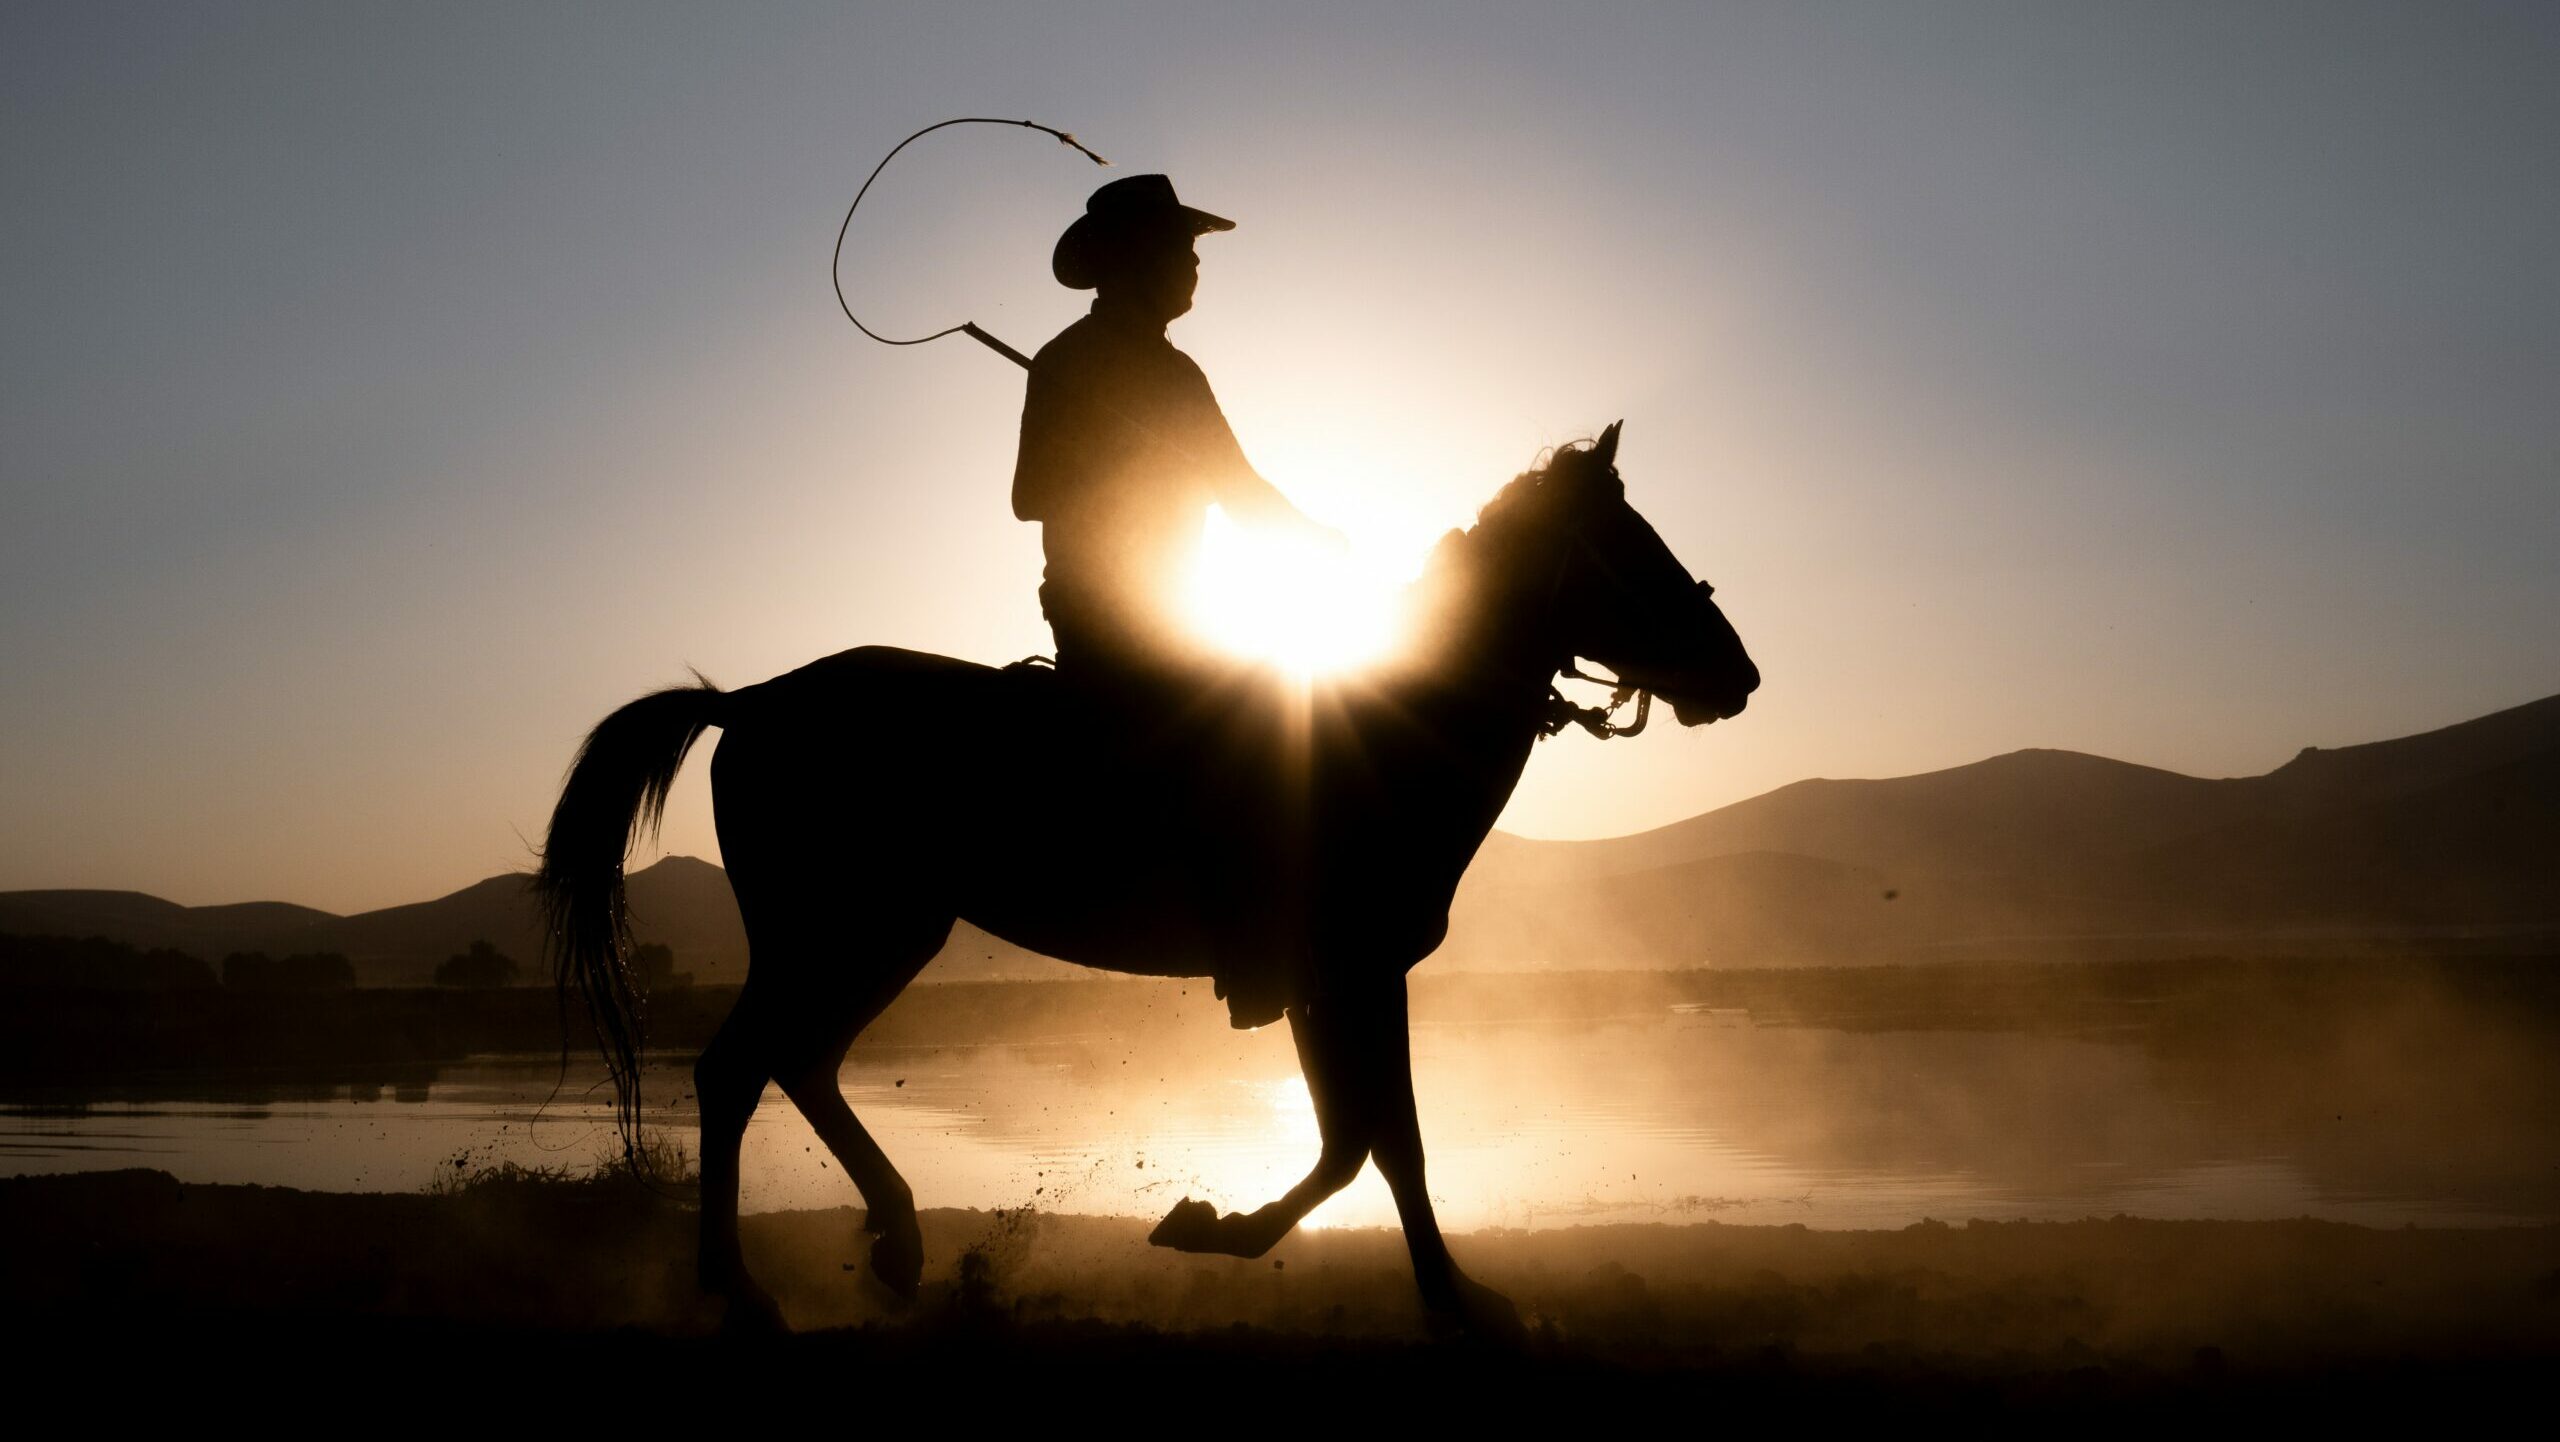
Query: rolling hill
[[2451, 837]]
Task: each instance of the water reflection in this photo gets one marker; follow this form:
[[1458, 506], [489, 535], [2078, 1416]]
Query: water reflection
[[1684, 1116]]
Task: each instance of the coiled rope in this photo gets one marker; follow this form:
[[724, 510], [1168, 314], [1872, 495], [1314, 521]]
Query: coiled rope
[[969, 328]]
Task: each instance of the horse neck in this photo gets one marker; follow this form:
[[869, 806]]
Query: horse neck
[[1488, 659], [1489, 615]]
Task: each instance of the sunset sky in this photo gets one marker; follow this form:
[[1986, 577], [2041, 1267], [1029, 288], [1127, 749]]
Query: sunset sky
[[387, 392]]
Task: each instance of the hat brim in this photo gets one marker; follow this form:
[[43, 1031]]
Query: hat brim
[[1077, 260]]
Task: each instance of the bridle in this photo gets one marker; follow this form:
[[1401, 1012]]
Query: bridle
[[1560, 711], [1600, 721]]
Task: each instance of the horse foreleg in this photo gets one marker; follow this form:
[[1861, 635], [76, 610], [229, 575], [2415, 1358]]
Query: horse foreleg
[[1328, 1057], [1451, 1297]]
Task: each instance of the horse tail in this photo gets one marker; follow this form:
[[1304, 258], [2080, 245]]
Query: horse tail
[[616, 790]]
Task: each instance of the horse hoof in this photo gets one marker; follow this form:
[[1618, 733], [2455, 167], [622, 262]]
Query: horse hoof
[[897, 1261], [1190, 1227], [1475, 1312], [753, 1314]]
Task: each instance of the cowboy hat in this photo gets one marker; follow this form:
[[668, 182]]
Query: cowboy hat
[[1125, 213]]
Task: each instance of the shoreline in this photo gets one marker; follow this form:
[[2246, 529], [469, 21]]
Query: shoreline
[[66, 1040]]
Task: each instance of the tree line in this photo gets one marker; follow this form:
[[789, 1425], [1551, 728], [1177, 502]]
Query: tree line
[[95, 962]]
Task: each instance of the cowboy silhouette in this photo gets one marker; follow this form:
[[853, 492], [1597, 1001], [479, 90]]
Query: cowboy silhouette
[[1124, 448]]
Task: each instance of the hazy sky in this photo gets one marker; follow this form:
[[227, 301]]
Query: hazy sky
[[388, 392]]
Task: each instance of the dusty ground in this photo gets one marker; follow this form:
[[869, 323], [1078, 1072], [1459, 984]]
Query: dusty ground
[[2115, 1317]]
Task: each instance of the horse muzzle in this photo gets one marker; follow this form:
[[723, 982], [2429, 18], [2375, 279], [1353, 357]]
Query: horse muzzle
[[1693, 702], [1692, 712]]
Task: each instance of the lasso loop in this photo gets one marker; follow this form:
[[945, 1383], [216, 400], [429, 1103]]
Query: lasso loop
[[835, 267]]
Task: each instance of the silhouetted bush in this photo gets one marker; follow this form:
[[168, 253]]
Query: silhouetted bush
[[303, 971], [482, 965], [60, 961], [653, 968]]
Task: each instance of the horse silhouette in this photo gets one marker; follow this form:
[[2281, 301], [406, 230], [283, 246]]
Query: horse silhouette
[[868, 801]]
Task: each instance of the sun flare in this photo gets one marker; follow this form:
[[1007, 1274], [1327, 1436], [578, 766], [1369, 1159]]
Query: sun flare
[[1307, 608]]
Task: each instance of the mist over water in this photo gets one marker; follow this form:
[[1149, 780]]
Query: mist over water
[[1680, 1115]]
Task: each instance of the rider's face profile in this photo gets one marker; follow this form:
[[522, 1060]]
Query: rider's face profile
[[1161, 278]]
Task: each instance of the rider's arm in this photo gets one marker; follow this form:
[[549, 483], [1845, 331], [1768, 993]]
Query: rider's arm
[[1240, 489]]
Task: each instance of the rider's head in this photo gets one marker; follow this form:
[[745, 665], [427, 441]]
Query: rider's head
[[1134, 244]]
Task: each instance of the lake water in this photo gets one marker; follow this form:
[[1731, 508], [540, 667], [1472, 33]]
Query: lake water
[[1677, 1117]]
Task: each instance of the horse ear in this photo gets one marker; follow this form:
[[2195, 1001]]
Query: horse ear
[[1605, 450]]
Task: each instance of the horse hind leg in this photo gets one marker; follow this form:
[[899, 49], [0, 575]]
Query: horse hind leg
[[728, 1081], [810, 1076], [793, 1025]]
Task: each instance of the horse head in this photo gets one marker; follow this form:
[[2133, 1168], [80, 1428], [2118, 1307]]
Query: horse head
[[1613, 592]]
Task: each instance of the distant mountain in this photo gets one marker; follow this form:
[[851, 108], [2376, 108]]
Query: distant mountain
[[2380, 770], [2022, 811], [680, 902], [2452, 836], [2477, 849], [148, 922]]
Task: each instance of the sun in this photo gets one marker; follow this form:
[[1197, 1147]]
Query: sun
[[1308, 608]]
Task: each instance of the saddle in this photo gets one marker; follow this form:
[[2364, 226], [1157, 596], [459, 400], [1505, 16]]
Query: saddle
[[1197, 759]]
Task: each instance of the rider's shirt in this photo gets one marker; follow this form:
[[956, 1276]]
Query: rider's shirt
[[1123, 452]]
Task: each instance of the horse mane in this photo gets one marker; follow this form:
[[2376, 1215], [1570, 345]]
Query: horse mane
[[1463, 562], [1519, 494], [1515, 512]]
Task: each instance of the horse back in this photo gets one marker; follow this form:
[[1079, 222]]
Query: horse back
[[865, 681]]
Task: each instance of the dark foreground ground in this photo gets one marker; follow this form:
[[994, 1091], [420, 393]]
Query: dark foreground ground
[[576, 1299]]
